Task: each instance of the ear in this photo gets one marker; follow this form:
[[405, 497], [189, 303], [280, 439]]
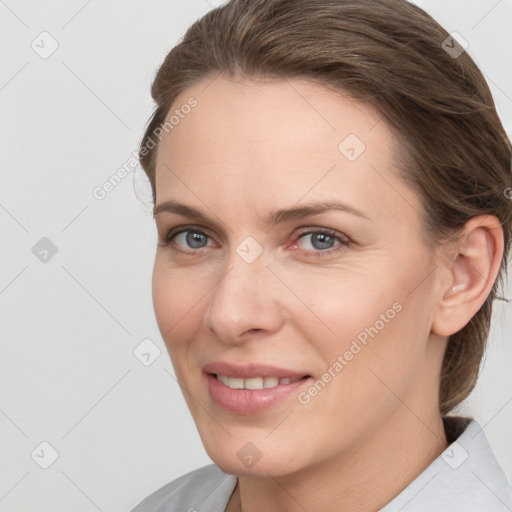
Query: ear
[[470, 273]]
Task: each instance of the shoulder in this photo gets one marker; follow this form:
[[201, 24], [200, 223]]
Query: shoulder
[[466, 477], [206, 488]]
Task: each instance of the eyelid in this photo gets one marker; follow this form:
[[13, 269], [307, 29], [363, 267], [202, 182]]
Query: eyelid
[[327, 231]]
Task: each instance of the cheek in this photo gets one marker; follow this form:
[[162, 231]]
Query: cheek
[[381, 338], [340, 307], [176, 299], [368, 320]]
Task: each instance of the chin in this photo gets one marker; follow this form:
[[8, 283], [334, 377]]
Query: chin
[[249, 461]]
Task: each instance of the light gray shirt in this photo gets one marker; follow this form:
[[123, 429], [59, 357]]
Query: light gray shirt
[[466, 477]]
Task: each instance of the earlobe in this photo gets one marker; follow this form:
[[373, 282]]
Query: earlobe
[[471, 273]]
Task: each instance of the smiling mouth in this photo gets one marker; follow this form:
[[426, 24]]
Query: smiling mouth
[[256, 383]]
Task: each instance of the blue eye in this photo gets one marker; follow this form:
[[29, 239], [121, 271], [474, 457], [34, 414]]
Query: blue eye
[[322, 241], [319, 239], [194, 239], [190, 238], [189, 241]]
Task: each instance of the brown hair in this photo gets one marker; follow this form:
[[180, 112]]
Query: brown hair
[[393, 55]]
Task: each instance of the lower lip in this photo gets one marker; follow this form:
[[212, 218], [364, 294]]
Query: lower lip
[[249, 401]]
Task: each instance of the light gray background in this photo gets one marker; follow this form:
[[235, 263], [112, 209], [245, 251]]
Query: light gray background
[[69, 325]]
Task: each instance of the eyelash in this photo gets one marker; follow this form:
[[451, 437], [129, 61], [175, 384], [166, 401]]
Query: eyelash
[[344, 241]]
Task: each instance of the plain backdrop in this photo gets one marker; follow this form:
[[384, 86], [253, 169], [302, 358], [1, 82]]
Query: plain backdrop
[[88, 420]]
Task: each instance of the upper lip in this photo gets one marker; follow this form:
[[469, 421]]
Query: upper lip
[[251, 370]]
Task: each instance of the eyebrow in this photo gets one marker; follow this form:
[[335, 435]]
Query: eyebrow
[[275, 217]]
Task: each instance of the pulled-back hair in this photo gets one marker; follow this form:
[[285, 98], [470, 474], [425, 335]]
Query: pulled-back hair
[[454, 151]]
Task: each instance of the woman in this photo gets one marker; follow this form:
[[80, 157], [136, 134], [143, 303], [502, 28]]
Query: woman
[[330, 184]]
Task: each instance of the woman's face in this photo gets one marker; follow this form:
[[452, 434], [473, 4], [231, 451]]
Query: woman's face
[[341, 299]]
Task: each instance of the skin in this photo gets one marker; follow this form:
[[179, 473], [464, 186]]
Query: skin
[[251, 147]]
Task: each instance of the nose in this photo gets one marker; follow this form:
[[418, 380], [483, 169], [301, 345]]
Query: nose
[[244, 301]]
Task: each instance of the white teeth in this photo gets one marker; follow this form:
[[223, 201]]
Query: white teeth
[[235, 383], [270, 382], [254, 383]]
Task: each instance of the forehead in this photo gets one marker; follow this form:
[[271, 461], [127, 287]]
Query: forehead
[[275, 138], [270, 119], [295, 109]]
